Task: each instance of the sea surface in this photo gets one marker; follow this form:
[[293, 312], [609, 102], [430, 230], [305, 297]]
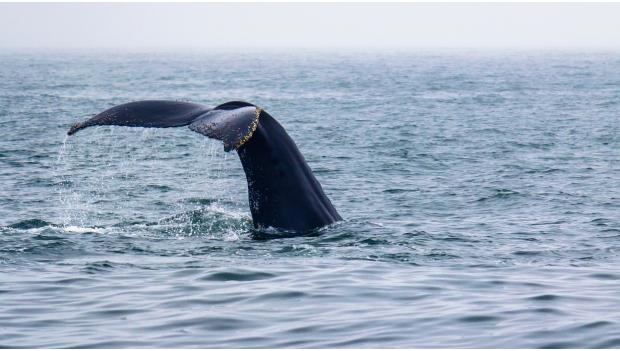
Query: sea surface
[[480, 193]]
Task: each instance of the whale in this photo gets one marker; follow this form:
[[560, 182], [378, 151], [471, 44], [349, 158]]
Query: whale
[[283, 192]]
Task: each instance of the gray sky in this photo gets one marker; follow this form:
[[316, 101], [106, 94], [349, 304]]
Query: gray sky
[[297, 25]]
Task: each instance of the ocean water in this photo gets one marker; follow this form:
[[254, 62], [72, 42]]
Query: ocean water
[[480, 192]]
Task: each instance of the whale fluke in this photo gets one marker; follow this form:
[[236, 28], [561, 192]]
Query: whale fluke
[[149, 113], [283, 192], [233, 127]]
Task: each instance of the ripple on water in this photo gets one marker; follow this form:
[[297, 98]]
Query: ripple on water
[[29, 224], [479, 319], [238, 276], [611, 343], [545, 297], [481, 206], [605, 276]]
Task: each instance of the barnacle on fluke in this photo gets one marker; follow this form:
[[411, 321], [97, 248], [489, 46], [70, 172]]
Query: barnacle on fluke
[[253, 127]]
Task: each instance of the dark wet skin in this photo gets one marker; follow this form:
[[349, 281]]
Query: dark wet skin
[[281, 185]]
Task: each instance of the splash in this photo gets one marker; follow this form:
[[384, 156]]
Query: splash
[[108, 182], [69, 201]]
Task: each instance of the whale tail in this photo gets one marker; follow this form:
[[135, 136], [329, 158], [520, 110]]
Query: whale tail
[[283, 192], [149, 113], [233, 122]]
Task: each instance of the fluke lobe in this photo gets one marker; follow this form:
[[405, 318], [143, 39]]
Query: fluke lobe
[[283, 192]]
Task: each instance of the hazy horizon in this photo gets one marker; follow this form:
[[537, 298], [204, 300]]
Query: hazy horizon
[[315, 26]]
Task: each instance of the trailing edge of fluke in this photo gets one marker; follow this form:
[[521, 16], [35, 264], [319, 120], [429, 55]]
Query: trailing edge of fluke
[[283, 192]]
